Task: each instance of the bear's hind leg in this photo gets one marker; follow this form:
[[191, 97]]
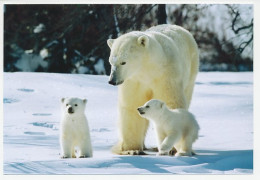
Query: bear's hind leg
[[186, 147], [73, 151], [85, 150]]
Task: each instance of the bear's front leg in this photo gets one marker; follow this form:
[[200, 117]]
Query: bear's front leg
[[66, 149], [167, 144], [132, 133], [132, 127]]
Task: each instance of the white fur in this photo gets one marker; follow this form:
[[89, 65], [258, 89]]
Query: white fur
[[114, 60], [176, 127], [160, 63], [74, 130]]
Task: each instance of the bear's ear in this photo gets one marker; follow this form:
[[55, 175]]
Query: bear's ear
[[162, 104], [143, 41], [110, 42], [62, 100], [85, 101]]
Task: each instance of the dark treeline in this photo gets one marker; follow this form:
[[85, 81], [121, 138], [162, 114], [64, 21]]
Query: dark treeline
[[72, 38]]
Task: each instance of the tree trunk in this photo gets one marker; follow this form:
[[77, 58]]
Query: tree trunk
[[161, 14]]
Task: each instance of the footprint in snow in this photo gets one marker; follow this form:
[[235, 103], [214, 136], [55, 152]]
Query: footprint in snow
[[25, 90], [100, 130], [41, 114], [34, 133], [45, 124], [10, 100]]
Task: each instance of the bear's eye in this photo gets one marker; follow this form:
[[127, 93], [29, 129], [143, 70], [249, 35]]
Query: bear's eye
[[122, 63], [66, 104], [147, 106], [76, 105]]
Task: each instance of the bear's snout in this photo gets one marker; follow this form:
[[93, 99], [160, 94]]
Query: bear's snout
[[112, 78], [112, 82], [115, 83], [140, 110], [70, 110]]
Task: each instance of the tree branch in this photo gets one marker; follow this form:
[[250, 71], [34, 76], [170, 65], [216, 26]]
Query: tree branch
[[243, 45]]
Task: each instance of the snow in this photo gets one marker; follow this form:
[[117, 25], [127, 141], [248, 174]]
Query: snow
[[44, 53], [83, 69], [222, 104], [100, 67], [39, 28], [30, 62]]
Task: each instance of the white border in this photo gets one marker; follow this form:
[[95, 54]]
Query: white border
[[127, 2], [256, 174]]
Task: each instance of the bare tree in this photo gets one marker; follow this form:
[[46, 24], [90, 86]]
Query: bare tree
[[74, 35], [161, 14], [240, 27]]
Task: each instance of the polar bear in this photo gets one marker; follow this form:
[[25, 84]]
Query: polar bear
[[74, 130], [175, 128], [161, 63]]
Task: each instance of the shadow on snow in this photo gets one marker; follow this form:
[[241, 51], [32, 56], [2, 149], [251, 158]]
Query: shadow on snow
[[207, 160]]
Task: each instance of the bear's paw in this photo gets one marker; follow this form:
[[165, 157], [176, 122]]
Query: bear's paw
[[133, 152]]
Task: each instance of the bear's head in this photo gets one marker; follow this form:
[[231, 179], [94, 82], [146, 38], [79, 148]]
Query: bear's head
[[73, 106], [126, 56], [151, 109]]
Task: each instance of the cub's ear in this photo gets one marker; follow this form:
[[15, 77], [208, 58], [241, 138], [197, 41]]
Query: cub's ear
[[162, 104], [143, 41], [85, 101], [110, 42], [62, 100]]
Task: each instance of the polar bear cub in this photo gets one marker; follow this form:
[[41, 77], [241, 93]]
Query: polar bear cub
[[175, 127], [74, 129]]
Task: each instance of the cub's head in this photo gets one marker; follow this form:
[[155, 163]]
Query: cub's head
[[127, 53], [73, 105], [151, 109]]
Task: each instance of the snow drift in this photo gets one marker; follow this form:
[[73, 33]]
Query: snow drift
[[222, 104]]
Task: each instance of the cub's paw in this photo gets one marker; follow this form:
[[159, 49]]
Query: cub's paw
[[162, 153]]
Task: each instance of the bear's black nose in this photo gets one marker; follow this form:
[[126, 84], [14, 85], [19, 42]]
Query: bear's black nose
[[70, 110], [112, 82], [140, 111]]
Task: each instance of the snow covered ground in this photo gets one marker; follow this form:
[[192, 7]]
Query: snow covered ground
[[222, 103]]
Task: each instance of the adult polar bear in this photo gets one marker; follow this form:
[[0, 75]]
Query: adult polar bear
[[160, 63]]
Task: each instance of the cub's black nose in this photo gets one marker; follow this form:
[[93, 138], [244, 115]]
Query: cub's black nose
[[70, 110], [140, 111]]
